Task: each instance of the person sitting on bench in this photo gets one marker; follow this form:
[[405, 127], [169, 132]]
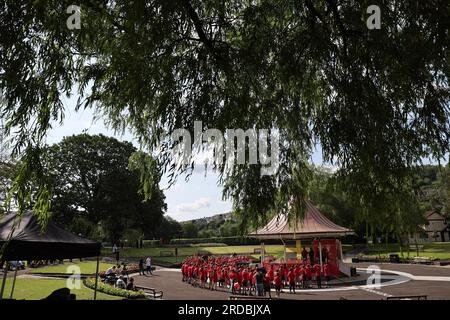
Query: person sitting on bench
[[120, 283], [130, 285]]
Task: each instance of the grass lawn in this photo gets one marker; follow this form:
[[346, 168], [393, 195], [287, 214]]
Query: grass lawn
[[155, 252], [436, 250], [36, 289], [87, 267]]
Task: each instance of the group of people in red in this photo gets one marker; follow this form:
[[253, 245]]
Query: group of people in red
[[238, 275]]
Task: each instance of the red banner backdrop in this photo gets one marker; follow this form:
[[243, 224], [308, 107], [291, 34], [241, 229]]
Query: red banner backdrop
[[330, 253]]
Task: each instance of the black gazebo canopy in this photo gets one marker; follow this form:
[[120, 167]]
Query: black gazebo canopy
[[29, 242]]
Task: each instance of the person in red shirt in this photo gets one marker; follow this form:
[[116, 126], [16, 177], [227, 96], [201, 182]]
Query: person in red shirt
[[301, 277], [190, 270], [225, 275], [219, 277], [291, 280], [253, 281], [278, 284], [239, 277], [202, 277], [308, 275], [266, 282], [236, 288], [297, 275], [231, 279], [283, 274], [326, 274], [245, 280], [271, 274], [213, 280], [317, 268]]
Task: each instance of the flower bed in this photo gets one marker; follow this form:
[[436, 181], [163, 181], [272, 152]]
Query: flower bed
[[107, 289]]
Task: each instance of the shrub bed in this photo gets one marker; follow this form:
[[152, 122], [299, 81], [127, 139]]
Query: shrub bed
[[107, 289]]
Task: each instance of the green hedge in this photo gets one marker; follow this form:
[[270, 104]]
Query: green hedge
[[107, 289]]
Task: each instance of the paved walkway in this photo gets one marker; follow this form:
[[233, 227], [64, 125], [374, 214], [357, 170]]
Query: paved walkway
[[413, 269], [399, 281]]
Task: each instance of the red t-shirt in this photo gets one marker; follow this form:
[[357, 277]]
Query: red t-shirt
[[270, 274], [326, 271], [317, 269], [308, 270], [277, 281], [239, 277], [291, 276]]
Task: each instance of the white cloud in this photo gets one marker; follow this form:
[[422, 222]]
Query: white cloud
[[194, 206]]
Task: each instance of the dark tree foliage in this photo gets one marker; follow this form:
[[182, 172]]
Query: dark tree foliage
[[377, 101], [93, 188]]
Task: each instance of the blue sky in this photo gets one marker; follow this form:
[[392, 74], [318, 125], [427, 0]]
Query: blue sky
[[198, 197]]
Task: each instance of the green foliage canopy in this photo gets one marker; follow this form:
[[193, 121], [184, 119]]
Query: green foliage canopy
[[375, 100]]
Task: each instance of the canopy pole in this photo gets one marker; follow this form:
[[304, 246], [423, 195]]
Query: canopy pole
[[5, 272], [96, 278], [284, 249], [263, 256], [14, 282]]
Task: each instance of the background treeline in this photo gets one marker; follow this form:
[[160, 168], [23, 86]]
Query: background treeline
[[96, 192], [430, 189]]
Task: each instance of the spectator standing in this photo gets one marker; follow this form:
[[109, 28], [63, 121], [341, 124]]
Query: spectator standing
[[259, 280], [141, 267], [148, 264]]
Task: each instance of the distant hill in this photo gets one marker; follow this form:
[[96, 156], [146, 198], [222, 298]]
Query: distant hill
[[219, 225], [228, 216]]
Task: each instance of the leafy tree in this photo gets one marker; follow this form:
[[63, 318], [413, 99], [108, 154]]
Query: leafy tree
[[444, 190], [229, 229], [190, 230], [169, 229], [8, 171], [91, 182], [375, 100]]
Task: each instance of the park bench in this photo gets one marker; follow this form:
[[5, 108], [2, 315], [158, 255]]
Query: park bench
[[166, 253], [422, 260], [419, 297], [155, 294]]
